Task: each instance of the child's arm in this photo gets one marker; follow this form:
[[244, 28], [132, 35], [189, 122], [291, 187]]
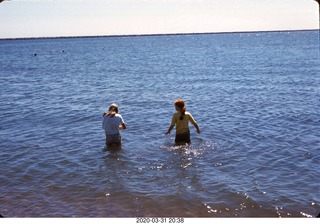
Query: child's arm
[[197, 127], [122, 126], [169, 130], [191, 119]]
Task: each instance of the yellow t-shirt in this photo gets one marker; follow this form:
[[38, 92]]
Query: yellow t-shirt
[[182, 125]]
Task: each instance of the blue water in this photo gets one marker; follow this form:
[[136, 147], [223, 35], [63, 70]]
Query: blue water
[[255, 97]]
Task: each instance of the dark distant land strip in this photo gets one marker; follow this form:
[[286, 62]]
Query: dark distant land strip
[[146, 35]]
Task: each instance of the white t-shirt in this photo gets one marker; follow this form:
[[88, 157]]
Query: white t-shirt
[[111, 124]]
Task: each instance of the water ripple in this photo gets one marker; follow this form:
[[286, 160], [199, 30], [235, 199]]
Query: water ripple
[[255, 104]]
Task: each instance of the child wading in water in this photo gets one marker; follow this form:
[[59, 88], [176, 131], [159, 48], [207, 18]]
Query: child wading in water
[[112, 123], [181, 119]]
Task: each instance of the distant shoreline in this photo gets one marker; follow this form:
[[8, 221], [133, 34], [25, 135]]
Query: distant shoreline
[[142, 35]]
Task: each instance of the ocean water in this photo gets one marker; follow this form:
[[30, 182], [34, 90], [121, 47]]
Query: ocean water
[[255, 97]]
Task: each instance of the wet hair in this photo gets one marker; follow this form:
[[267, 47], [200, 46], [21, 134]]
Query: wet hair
[[180, 104], [113, 109]]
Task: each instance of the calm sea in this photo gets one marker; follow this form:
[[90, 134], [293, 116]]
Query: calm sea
[[254, 95]]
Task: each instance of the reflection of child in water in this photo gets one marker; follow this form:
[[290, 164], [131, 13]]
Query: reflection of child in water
[[181, 119], [112, 123]]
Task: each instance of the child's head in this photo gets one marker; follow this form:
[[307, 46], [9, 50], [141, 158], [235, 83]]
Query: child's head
[[113, 108], [179, 105]]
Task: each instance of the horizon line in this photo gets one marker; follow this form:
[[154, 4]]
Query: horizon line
[[155, 34]]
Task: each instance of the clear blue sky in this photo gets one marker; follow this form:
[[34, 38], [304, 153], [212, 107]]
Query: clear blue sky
[[44, 18]]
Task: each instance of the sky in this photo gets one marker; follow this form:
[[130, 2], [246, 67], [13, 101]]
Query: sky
[[56, 18]]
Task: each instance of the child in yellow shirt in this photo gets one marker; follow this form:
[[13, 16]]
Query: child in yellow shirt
[[181, 119]]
